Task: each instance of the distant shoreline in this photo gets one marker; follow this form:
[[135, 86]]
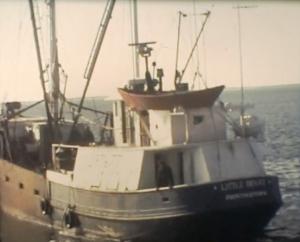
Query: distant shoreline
[[227, 89], [264, 87]]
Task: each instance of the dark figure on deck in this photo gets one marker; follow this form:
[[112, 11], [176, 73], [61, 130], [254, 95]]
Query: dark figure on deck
[[164, 175], [88, 136]]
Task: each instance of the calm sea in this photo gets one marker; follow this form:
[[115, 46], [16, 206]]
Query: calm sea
[[280, 108]]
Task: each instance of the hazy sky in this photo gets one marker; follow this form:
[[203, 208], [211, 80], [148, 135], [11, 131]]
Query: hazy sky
[[270, 43]]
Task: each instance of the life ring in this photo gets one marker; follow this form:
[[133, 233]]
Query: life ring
[[45, 207]]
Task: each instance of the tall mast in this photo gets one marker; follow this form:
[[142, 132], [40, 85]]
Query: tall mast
[[242, 121], [241, 72], [177, 74], [40, 65], [53, 65], [207, 14], [136, 38]]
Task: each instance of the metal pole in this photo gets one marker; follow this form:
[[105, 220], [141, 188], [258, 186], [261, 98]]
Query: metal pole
[[99, 39], [241, 72], [242, 121], [39, 58], [136, 38], [177, 48], [94, 55], [54, 72], [195, 45]]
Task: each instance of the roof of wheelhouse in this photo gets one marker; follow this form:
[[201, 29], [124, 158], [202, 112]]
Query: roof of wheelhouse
[[170, 99]]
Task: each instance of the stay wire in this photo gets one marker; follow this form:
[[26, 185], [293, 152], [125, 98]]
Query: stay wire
[[195, 31], [196, 42], [198, 71]]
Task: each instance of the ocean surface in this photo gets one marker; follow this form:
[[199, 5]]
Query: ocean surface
[[279, 107]]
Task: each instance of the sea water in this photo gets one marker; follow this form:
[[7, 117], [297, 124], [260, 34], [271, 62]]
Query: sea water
[[279, 107]]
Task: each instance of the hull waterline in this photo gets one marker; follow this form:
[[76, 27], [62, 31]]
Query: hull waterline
[[204, 211]]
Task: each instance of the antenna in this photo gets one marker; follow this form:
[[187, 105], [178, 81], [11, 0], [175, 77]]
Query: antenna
[[53, 65], [238, 7], [145, 51]]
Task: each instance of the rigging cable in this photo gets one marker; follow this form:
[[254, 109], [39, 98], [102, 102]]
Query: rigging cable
[[94, 54], [193, 49], [241, 69], [204, 79], [197, 48], [64, 93], [242, 122], [24, 109], [198, 72]]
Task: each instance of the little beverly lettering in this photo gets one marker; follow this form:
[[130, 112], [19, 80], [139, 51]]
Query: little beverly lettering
[[238, 185]]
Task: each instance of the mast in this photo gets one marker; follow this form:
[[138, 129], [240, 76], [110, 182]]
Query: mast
[[136, 38], [53, 65], [40, 65], [207, 14], [241, 73], [177, 74], [242, 114]]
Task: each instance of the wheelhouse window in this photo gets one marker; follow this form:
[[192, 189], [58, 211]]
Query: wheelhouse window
[[64, 157]]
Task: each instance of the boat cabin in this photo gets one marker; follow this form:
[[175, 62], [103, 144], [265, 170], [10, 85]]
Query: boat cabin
[[158, 148], [167, 127], [168, 118]]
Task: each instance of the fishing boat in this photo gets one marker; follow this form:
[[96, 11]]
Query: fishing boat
[[165, 169]]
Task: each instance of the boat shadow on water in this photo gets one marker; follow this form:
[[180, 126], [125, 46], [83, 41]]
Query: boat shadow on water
[[15, 229]]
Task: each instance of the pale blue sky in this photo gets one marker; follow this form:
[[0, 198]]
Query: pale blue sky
[[270, 44]]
